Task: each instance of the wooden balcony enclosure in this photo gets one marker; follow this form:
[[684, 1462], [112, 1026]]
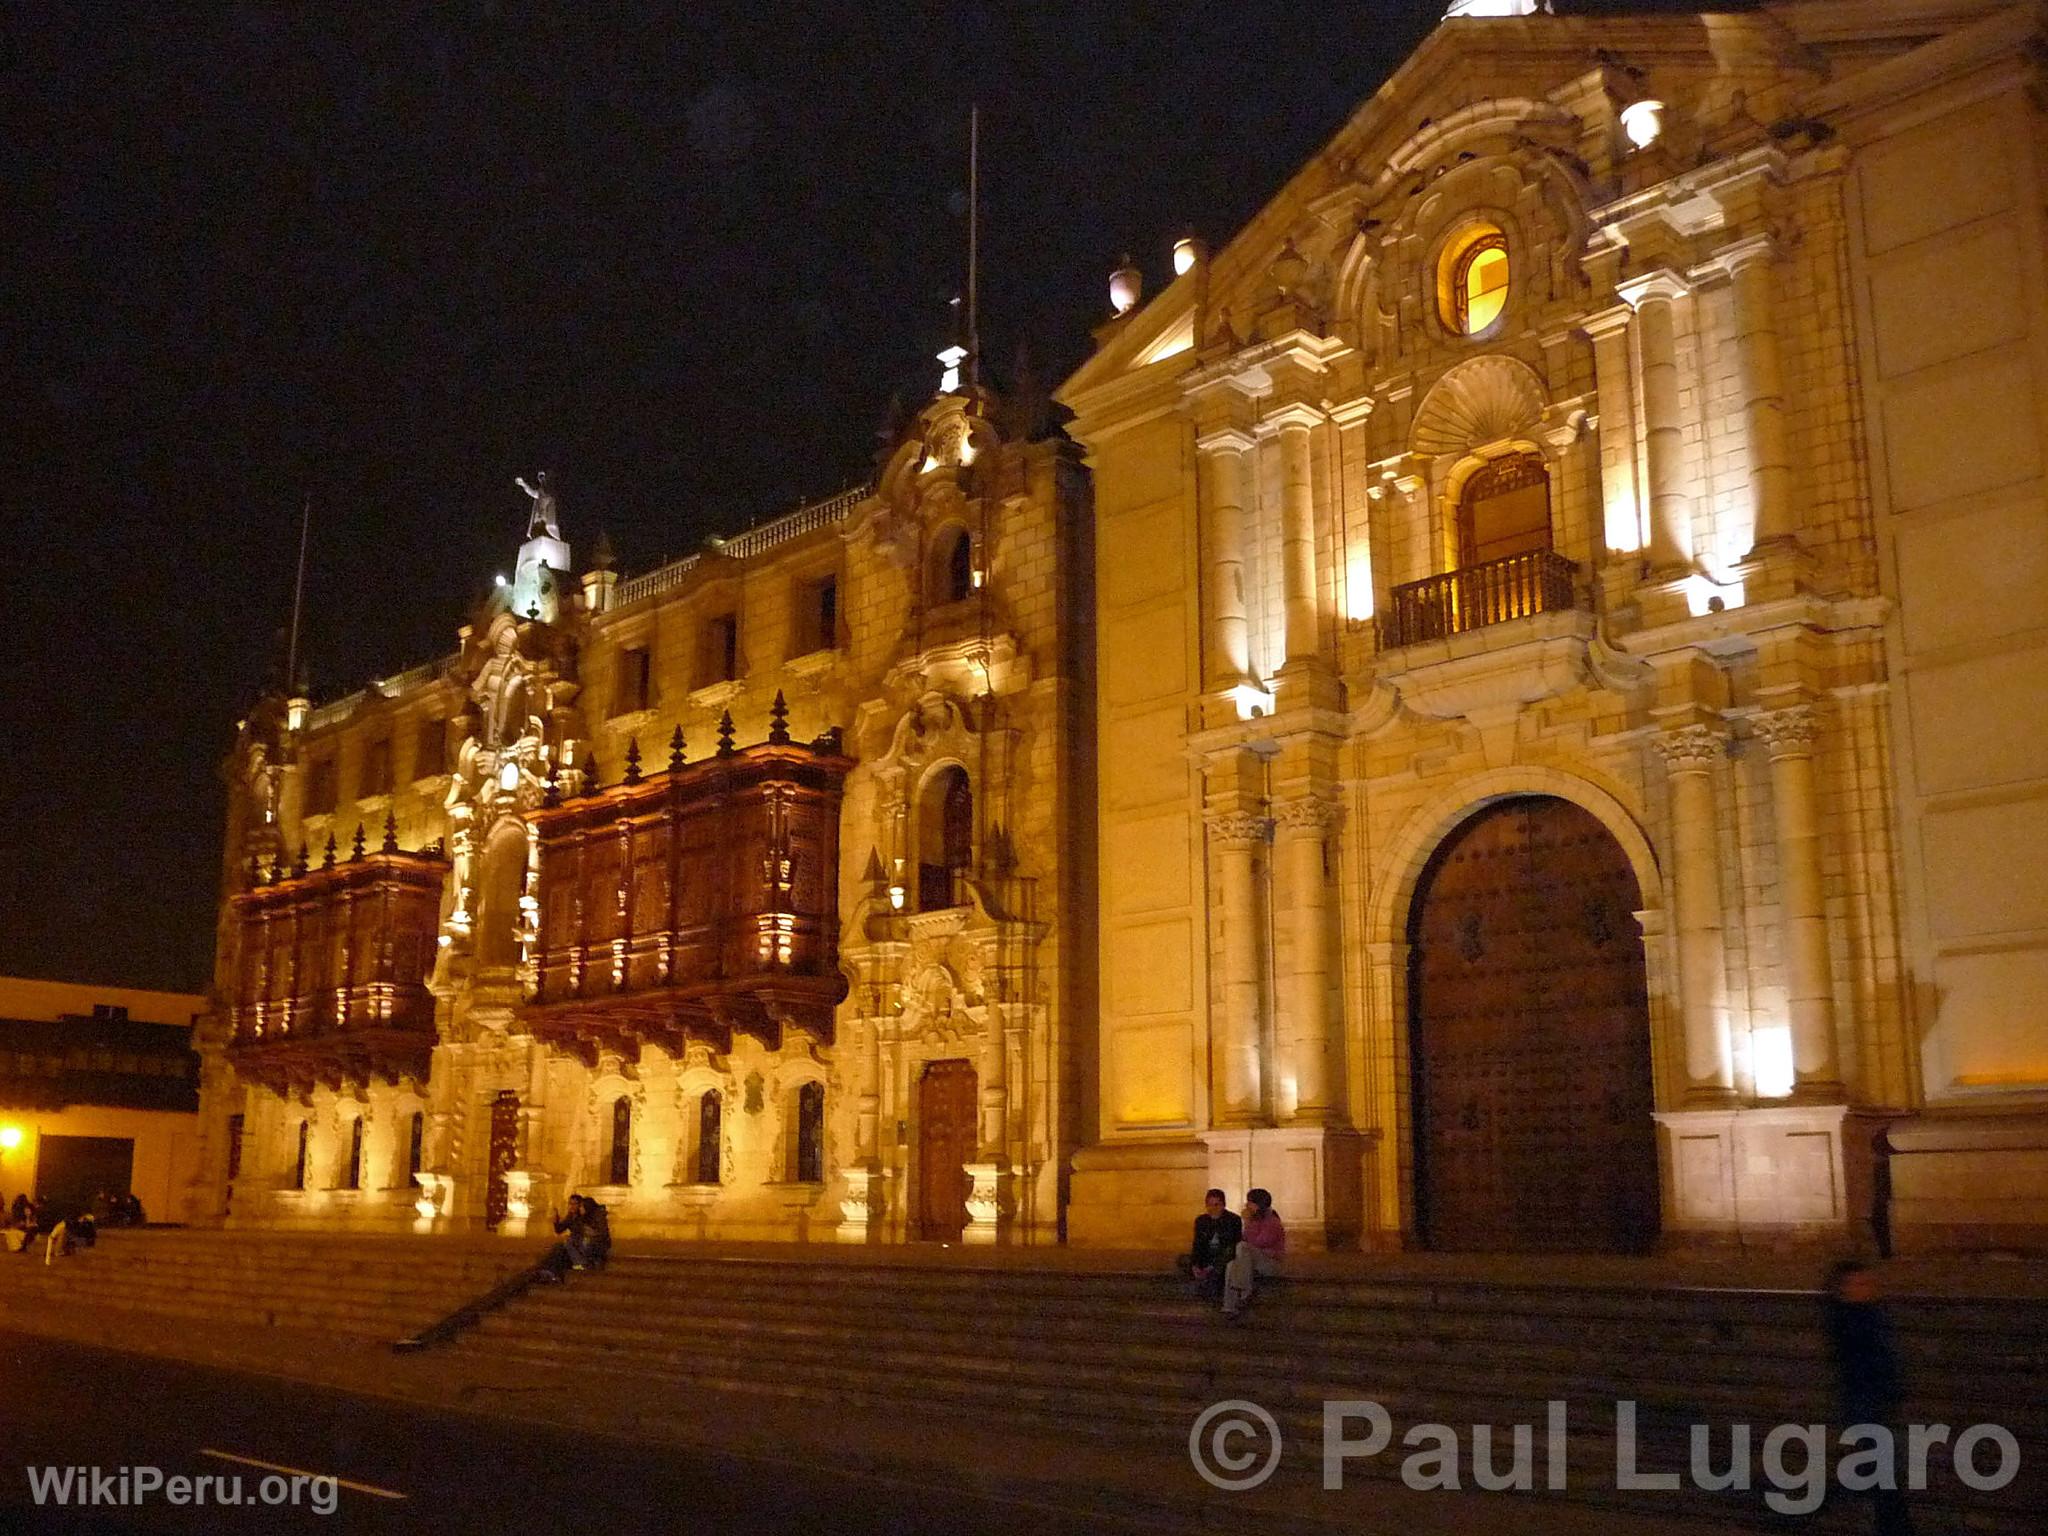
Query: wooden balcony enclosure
[[1493, 592], [332, 969], [693, 903]]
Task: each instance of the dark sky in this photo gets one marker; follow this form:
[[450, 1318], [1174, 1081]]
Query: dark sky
[[395, 255]]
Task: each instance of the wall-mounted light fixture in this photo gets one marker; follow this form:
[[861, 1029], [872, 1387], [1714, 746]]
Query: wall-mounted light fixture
[[1643, 122]]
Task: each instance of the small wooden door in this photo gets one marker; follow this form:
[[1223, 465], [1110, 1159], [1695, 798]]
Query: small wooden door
[[1530, 1035], [945, 1145], [504, 1151]]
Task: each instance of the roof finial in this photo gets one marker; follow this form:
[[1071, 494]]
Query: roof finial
[[675, 750], [391, 832], [357, 851], [590, 773], [778, 721], [299, 863], [725, 747], [328, 862], [632, 760]]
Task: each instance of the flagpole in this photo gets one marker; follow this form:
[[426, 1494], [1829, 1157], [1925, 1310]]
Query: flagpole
[[291, 662]]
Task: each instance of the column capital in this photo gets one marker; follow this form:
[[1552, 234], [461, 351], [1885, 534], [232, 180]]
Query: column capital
[[1732, 259], [1787, 732], [1663, 284], [1608, 322], [1352, 413], [1226, 440], [1239, 829], [1310, 814], [1690, 748], [1296, 415]]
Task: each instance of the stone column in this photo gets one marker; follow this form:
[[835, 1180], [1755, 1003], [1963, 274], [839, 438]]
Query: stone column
[[1788, 735], [1236, 838], [1296, 426], [1663, 423], [1228, 658], [1622, 512], [1763, 390], [1309, 1054], [1690, 753]]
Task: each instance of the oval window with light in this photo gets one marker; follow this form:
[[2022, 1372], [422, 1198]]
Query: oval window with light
[[1474, 280]]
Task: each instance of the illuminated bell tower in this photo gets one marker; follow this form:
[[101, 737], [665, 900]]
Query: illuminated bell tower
[[543, 569]]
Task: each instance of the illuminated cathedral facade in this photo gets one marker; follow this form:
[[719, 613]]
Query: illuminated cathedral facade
[[1510, 716]]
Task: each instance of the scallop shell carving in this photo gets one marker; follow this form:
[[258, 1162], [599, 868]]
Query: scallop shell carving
[[1476, 403]]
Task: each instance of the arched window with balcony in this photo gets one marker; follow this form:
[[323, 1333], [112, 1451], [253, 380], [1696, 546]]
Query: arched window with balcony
[[945, 838], [621, 1170]]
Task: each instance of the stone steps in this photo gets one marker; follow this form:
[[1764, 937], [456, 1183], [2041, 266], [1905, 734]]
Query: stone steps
[[1119, 1355]]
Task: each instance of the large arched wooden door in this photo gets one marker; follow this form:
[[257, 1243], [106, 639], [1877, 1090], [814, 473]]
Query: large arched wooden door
[[1530, 1038], [945, 1145]]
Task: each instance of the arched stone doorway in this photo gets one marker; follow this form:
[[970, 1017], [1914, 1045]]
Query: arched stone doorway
[[1530, 1038], [503, 883]]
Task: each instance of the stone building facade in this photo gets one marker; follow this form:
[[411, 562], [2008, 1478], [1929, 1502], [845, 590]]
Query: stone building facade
[[1524, 733], [378, 1058], [1570, 766]]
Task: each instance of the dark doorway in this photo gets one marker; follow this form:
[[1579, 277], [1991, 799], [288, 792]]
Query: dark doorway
[[1530, 1038], [70, 1170], [504, 1152], [945, 1145]]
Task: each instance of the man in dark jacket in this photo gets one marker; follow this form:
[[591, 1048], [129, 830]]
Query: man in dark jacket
[[1218, 1231]]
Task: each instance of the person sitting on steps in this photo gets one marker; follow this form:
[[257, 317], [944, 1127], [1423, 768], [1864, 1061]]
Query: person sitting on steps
[[1258, 1256], [1218, 1231], [590, 1249], [568, 1231]]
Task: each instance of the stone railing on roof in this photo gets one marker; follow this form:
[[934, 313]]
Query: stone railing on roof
[[338, 710], [744, 546]]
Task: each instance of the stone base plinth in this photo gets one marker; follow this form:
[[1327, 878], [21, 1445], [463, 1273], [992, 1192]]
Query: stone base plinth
[[1970, 1180], [1773, 1176], [1136, 1194], [1315, 1174]]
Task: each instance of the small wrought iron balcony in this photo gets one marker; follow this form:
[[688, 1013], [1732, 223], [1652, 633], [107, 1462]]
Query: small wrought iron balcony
[[1437, 607]]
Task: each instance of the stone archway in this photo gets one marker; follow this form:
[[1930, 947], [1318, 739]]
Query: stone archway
[[1529, 1037]]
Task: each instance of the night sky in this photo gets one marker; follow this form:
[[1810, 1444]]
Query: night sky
[[393, 256]]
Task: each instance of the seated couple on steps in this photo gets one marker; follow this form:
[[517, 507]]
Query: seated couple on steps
[[1231, 1254], [586, 1233]]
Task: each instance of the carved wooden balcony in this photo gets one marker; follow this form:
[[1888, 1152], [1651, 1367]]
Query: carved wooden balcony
[[693, 903], [1437, 607], [332, 965]]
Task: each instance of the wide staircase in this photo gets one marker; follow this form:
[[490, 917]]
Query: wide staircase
[[938, 1352], [1126, 1356], [368, 1288]]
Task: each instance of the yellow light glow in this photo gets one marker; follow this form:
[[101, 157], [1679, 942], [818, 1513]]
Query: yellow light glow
[[1486, 289], [1771, 1048], [10, 1137], [1251, 700], [1642, 121]]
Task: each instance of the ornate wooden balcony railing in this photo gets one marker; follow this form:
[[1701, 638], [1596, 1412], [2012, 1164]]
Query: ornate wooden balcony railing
[[693, 902], [1437, 607], [331, 970]]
